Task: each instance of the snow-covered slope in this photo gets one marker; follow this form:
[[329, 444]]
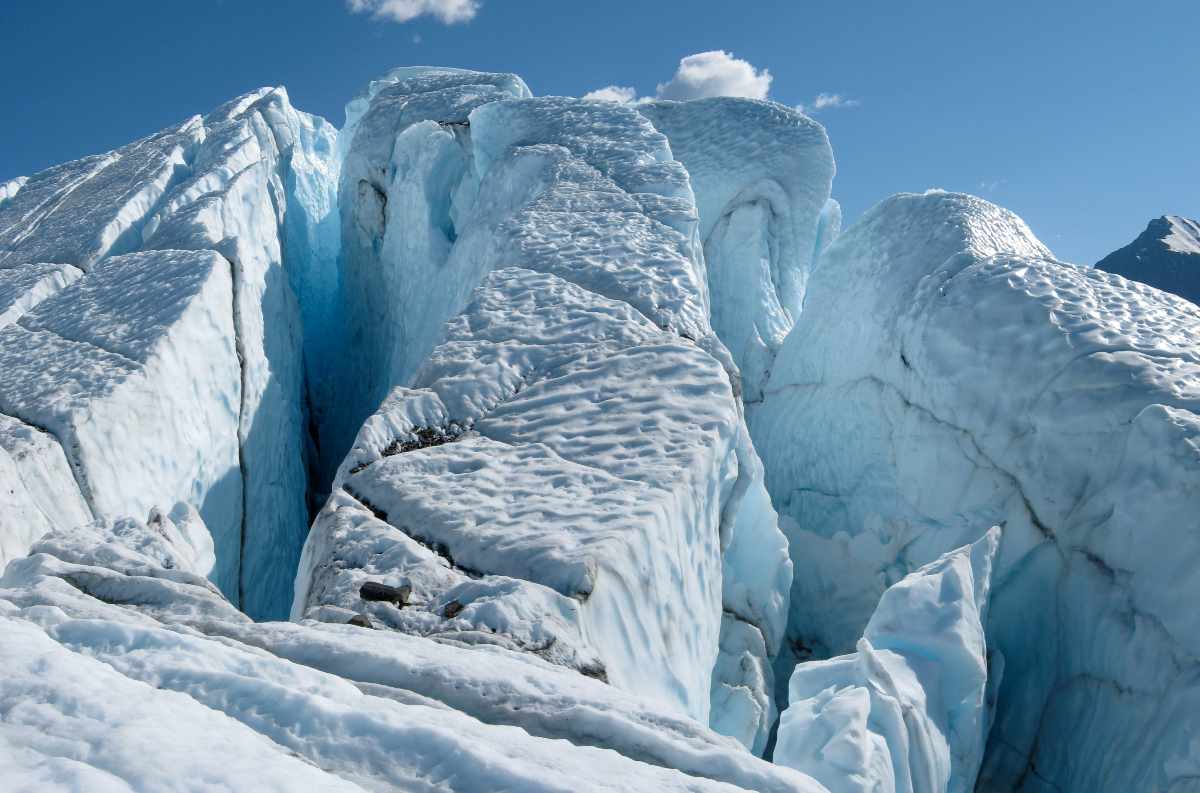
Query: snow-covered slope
[[946, 375], [247, 181], [1166, 256]]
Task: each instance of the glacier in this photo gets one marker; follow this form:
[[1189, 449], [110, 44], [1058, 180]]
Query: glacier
[[245, 182], [910, 709], [502, 442], [982, 383]]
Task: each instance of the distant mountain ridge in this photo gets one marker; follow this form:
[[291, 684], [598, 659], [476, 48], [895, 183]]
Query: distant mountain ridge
[[1166, 256]]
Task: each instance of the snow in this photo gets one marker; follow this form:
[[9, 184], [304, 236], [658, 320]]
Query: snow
[[761, 174], [1184, 236], [11, 187], [908, 710], [981, 383], [1166, 256]]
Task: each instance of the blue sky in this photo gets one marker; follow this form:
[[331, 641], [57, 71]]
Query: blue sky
[[1083, 117]]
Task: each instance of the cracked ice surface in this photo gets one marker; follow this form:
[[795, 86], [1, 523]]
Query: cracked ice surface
[[239, 182], [602, 332], [981, 382]]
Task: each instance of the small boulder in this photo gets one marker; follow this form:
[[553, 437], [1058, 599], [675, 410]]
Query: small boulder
[[375, 591]]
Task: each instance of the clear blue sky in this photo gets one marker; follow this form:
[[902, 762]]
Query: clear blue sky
[[1083, 117]]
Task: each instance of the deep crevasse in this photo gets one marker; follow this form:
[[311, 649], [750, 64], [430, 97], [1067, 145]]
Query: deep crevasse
[[444, 181], [222, 183]]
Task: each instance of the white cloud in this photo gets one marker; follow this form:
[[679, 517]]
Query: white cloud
[[446, 11], [825, 101], [715, 73], [612, 93]]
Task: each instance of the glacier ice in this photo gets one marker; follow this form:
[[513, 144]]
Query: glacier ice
[[575, 223], [113, 632], [222, 183], [981, 382], [552, 375], [109, 367], [761, 175], [908, 710]]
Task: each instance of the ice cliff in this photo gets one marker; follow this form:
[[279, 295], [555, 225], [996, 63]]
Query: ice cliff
[[981, 382], [577, 440]]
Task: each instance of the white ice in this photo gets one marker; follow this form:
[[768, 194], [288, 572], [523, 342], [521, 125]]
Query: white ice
[[947, 375], [251, 180], [908, 710], [761, 174], [113, 632], [589, 203]]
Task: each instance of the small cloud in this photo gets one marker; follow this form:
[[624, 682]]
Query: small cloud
[[824, 101], [612, 93], [715, 73], [446, 11], [992, 186], [416, 38]]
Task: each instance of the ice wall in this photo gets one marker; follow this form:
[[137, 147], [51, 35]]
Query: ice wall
[[222, 183], [947, 375], [580, 214], [407, 185], [909, 710], [761, 174]]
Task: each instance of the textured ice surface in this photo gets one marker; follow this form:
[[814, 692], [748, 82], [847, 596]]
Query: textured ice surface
[[515, 338], [406, 182], [489, 479], [247, 181], [979, 382], [761, 174], [1166, 256], [132, 369], [908, 710], [112, 632]]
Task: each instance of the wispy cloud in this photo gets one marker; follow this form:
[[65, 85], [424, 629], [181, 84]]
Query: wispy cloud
[[704, 74], [824, 101], [446, 11], [991, 186]]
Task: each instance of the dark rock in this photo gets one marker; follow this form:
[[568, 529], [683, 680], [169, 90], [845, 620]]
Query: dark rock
[[375, 591], [452, 609], [360, 620]]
